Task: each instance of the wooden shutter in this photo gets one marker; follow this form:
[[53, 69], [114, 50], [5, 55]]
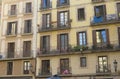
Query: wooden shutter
[[67, 40], [43, 21], [49, 43], [58, 42], [119, 35], [58, 19], [107, 36], [77, 35], [41, 4], [86, 37], [41, 43], [94, 37], [25, 26], [16, 27]]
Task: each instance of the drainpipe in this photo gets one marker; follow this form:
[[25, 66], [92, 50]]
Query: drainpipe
[[34, 45]]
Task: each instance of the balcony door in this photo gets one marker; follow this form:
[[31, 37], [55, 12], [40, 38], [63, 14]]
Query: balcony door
[[102, 64], [118, 10]]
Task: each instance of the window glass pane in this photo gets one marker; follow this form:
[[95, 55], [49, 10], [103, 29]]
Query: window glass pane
[[83, 61], [82, 38]]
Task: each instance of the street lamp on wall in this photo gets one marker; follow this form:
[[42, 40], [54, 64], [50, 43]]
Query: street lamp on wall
[[115, 63]]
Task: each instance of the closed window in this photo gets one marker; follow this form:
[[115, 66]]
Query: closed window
[[46, 4], [9, 68], [26, 67], [45, 67], [64, 66], [63, 2], [28, 7], [28, 26], [26, 48], [82, 39], [63, 42], [83, 62], [13, 10], [81, 14], [11, 50], [63, 19], [45, 44]]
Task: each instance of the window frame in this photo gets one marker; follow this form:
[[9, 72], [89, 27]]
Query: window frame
[[83, 64], [79, 16], [12, 28], [26, 67], [45, 69], [28, 26], [9, 69], [27, 48], [66, 19], [78, 38]]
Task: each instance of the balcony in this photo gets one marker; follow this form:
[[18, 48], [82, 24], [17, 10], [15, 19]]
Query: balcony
[[97, 1], [16, 55], [54, 27], [43, 73], [27, 11], [108, 19], [12, 34], [46, 7], [64, 71], [12, 13], [27, 32], [103, 69], [64, 3], [71, 49], [10, 55], [75, 49]]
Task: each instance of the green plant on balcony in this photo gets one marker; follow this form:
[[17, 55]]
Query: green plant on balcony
[[80, 48]]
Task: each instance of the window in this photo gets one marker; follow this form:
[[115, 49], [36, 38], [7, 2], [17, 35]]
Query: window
[[11, 50], [45, 67], [64, 66], [63, 2], [63, 42], [82, 40], [28, 26], [9, 68], [12, 28], [83, 62], [45, 44], [63, 19], [26, 67], [102, 64], [26, 48], [119, 35], [28, 7], [46, 22], [13, 10], [101, 37], [46, 4], [100, 11], [118, 10], [81, 14]]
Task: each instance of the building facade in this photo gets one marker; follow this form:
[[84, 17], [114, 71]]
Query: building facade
[[78, 39], [16, 52]]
